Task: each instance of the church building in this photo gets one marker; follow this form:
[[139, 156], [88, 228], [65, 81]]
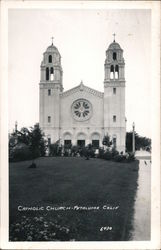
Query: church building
[[83, 115]]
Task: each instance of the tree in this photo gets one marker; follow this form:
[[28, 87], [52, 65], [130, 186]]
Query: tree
[[37, 143], [106, 141], [33, 138], [140, 142]]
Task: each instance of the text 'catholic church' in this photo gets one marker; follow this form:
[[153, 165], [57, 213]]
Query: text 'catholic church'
[[82, 115]]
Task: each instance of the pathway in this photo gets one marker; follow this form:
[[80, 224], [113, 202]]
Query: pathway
[[142, 210]]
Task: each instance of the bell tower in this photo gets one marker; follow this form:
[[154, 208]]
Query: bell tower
[[114, 95], [51, 86]]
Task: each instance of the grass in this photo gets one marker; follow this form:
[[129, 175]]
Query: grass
[[72, 182]]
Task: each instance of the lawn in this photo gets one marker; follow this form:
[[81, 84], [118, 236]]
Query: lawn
[[76, 199]]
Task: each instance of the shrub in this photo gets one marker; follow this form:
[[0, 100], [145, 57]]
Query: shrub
[[21, 154], [130, 157], [114, 152], [92, 153], [66, 153], [107, 155], [119, 158], [55, 150], [83, 151], [101, 153], [74, 150]]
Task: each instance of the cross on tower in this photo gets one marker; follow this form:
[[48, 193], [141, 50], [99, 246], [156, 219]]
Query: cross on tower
[[114, 36], [52, 38]]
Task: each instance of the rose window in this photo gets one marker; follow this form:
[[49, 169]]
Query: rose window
[[81, 110]]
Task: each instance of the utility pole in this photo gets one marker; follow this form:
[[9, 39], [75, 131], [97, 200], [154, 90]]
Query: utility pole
[[16, 124], [133, 138]]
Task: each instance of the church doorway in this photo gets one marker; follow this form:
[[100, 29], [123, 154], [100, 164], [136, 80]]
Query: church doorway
[[67, 139], [81, 143], [95, 137], [81, 138], [95, 143], [67, 142]]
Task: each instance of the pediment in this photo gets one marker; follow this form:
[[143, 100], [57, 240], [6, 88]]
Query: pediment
[[80, 88]]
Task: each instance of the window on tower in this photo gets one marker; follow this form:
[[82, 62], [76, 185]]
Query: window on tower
[[116, 72], [51, 74], [112, 72], [49, 91], [114, 91], [114, 56], [49, 119], [114, 118], [47, 74], [50, 58]]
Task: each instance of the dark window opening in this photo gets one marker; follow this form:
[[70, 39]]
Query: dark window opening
[[117, 68], [49, 119], [49, 91], [50, 59], [112, 72], [116, 71], [112, 68], [51, 74], [67, 142], [95, 143], [114, 56], [81, 143], [114, 118], [114, 91], [47, 74]]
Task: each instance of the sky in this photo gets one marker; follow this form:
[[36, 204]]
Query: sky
[[82, 37]]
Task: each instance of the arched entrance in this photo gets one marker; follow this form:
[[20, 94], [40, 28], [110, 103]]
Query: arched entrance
[[81, 139], [67, 139], [95, 138]]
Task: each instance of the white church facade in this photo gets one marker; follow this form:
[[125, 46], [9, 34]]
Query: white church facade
[[83, 115]]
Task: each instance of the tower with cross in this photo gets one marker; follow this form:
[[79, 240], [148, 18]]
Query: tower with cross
[[51, 85], [114, 93]]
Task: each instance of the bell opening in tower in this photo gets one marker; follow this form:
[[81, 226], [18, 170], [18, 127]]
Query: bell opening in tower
[[47, 74], [50, 58], [112, 72], [114, 56], [51, 74]]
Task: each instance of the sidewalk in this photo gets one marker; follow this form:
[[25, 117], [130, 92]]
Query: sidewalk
[[142, 211]]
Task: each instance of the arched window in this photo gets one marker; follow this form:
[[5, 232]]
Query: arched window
[[49, 91], [112, 72], [116, 72], [114, 118], [49, 119], [50, 58], [114, 56], [114, 91], [112, 68], [51, 74], [47, 74]]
